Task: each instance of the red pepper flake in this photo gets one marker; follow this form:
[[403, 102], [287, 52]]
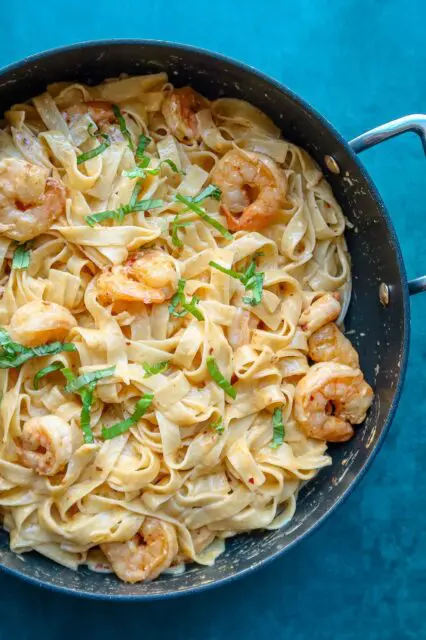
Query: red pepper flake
[[251, 480]]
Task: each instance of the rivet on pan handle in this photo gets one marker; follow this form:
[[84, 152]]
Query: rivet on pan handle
[[415, 123]]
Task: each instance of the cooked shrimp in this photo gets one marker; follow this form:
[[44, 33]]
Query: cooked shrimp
[[328, 344], [100, 112], [253, 186], [30, 201], [46, 444], [146, 555], [179, 109], [329, 399], [148, 277], [39, 322], [324, 310]]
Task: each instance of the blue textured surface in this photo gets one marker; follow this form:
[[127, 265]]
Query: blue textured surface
[[360, 63]]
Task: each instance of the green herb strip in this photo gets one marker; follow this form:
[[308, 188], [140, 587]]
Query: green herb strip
[[176, 225], [13, 354], [68, 374], [123, 128], [153, 369], [190, 204], [228, 272], [251, 280], [86, 395], [188, 307], [55, 366], [172, 165], [219, 378], [141, 408], [87, 378], [135, 194], [88, 155], [143, 142], [218, 426], [118, 214], [178, 296], [255, 284], [278, 428], [212, 191], [138, 173], [141, 171], [191, 307], [21, 257]]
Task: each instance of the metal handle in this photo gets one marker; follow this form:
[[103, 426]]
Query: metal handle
[[415, 123]]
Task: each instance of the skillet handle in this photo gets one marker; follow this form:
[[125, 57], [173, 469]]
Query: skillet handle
[[415, 123]]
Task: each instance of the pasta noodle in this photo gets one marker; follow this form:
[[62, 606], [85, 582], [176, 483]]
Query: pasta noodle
[[180, 269]]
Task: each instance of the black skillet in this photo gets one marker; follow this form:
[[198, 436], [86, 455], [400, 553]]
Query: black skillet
[[379, 313]]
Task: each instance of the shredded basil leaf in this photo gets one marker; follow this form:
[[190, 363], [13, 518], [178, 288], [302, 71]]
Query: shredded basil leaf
[[21, 257], [191, 307], [4, 337], [172, 165], [278, 428], [118, 214], [255, 284], [86, 394], [88, 155], [142, 145], [218, 377], [212, 191], [96, 218], [188, 307], [218, 426], [229, 272], [88, 378], [141, 171], [190, 204], [153, 369], [68, 374], [141, 408], [176, 225], [55, 366], [135, 194], [123, 128], [144, 163], [13, 354], [177, 298], [137, 173], [167, 161], [252, 281]]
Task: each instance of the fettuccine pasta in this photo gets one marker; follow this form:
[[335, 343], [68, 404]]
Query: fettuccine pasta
[[172, 271]]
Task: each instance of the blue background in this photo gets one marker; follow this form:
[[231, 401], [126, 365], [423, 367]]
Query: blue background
[[360, 63]]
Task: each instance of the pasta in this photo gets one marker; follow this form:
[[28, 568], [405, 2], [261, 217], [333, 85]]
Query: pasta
[[171, 268]]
